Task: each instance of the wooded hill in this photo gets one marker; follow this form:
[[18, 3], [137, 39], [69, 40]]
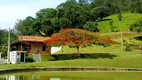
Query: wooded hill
[[84, 14]]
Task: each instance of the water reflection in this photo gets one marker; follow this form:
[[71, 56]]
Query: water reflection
[[13, 77], [74, 76]]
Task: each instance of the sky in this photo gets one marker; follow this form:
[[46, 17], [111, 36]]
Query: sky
[[11, 10]]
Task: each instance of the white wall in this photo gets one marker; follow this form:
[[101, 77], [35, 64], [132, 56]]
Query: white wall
[[55, 78], [3, 61], [55, 49]]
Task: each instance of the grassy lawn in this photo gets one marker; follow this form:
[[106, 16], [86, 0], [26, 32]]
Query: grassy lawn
[[127, 20], [127, 61]]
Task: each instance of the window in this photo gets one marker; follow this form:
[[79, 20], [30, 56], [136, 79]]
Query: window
[[18, 53]]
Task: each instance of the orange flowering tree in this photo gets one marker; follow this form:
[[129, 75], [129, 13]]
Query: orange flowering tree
[[73, 37], [105, 40], [77, 38]]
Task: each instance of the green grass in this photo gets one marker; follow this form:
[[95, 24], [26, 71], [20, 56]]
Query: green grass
[[127, 20], [127, 61]]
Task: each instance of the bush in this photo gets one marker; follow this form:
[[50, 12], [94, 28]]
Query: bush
[[81, 56], [28, 59], [137, 26], [126, 46], [65, 56]]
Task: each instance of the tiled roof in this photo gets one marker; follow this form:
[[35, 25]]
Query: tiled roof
[[18, 42], [33, 38]]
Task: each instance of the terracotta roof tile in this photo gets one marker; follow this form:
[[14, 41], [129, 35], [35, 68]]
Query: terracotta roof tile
[[33, 38]]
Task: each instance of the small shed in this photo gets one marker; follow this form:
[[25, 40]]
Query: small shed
[[31, 44], [17, 57], [36, 44]]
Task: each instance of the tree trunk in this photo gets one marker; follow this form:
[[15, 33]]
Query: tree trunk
[[77, 50], [62, 49]]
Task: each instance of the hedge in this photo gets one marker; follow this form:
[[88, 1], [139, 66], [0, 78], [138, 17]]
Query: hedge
[[54, 57]]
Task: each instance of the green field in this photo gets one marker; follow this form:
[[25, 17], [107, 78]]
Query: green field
[[127, 20]]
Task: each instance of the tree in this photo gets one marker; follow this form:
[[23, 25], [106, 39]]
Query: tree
[[65, 23], [83, 2], [104, 40], [73, 37], [4, 39], [97, 3], [137, 26], [91, 26], [100, 12], [55, 24], [24, 27], [46, 13], [77, 38], [74, 2]]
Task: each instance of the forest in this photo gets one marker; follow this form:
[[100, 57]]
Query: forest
[[83, 14]]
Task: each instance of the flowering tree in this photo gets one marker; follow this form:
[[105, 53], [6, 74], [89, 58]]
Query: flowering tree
[[73, 37], [105, 40], [77, 38]]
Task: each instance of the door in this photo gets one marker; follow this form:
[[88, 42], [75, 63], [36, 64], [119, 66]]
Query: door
[[22, 57]]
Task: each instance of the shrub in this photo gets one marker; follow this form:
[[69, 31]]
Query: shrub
[[126, 46], [28, 59], [137, 26], [82, 56]]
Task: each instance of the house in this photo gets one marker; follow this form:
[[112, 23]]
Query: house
[[31, 44]]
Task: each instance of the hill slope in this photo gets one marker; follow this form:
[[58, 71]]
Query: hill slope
[[127, 20], [129, 37]]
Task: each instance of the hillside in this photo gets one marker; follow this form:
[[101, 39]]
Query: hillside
[[127, 20], [129, 37]]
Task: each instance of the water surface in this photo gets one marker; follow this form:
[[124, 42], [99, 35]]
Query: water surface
[[73, 76]]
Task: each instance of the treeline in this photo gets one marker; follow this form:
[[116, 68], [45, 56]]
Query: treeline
[[4, 40], [82, 14]]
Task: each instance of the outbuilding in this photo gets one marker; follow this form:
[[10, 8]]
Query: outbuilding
[[31, 44], [17, 57]]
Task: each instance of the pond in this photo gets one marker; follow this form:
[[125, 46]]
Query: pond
[[73, 76]]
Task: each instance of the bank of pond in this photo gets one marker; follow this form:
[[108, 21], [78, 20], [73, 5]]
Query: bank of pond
[[72, 76]]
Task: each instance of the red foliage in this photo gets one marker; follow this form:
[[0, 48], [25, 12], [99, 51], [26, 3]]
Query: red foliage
[[107, 41], [74, 37], [77, 37]]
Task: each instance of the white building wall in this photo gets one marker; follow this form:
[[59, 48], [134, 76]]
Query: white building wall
[[15, 58], [3, 61], [55, 78], [55, 49]]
